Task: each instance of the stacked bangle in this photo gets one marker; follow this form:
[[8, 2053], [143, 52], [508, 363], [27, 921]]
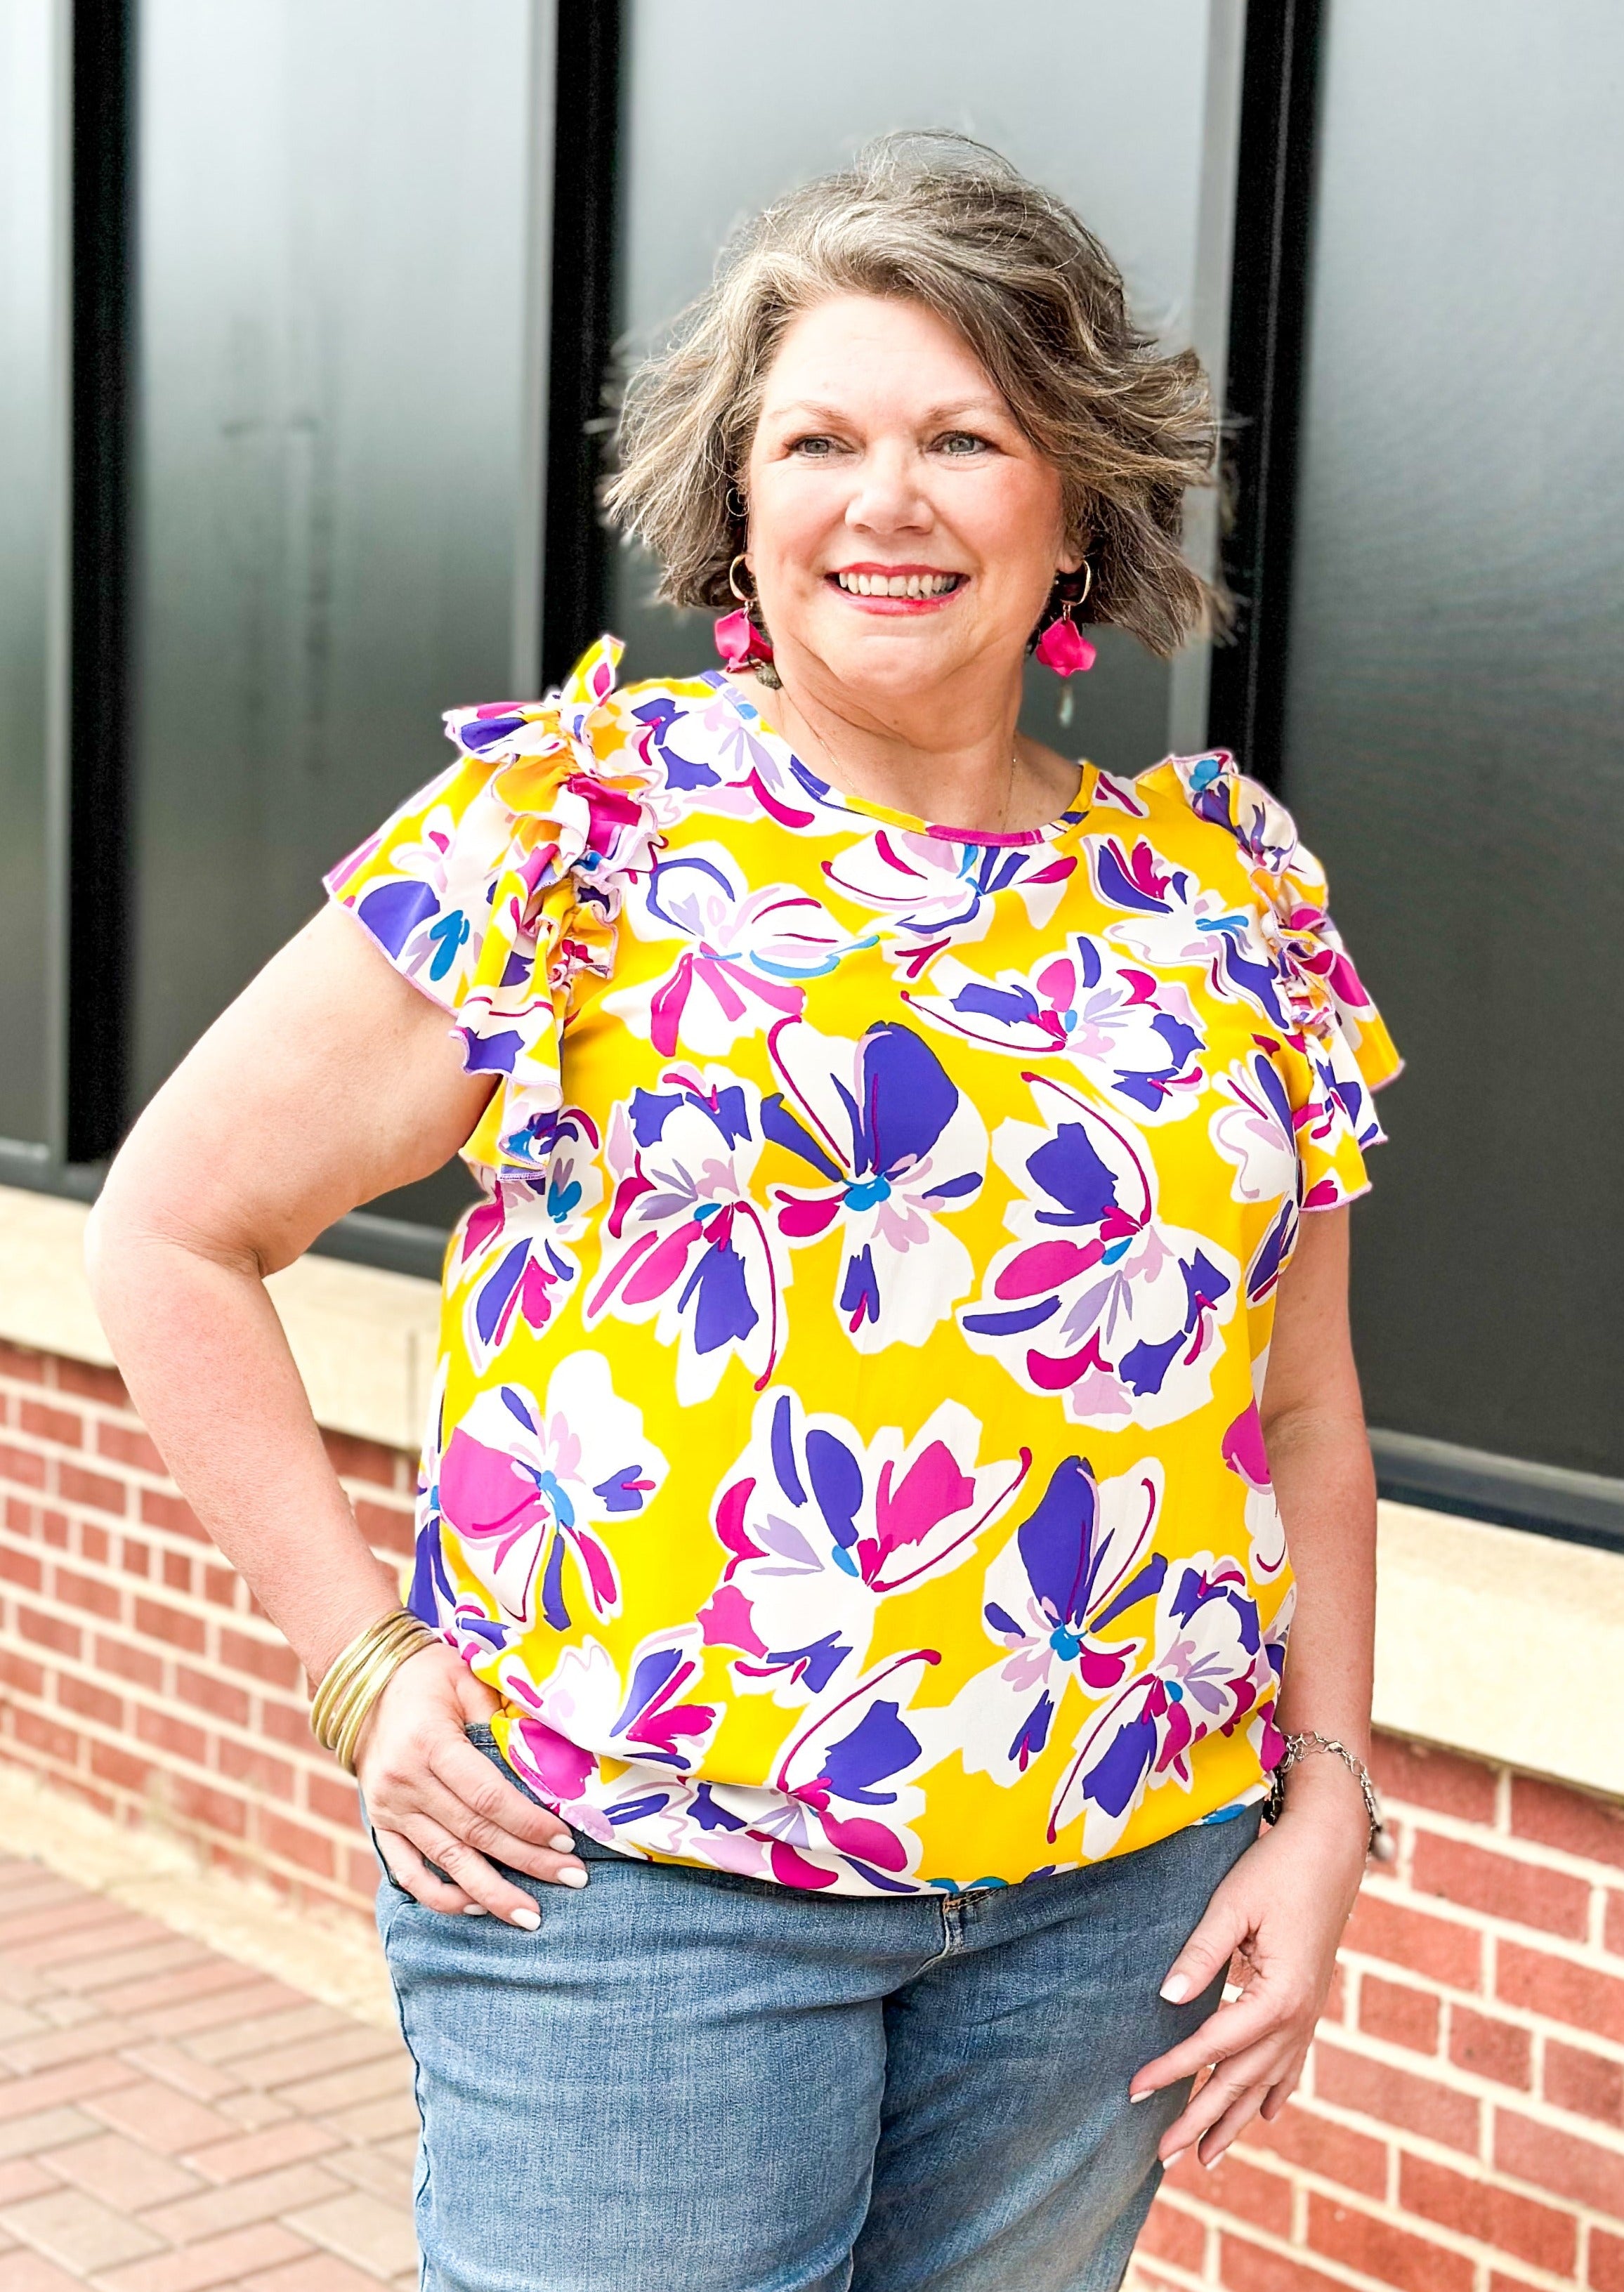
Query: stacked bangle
[[354, 1680], [1379, 1845]]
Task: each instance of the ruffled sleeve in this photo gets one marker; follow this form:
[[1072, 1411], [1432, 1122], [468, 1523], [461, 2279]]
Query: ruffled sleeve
[[496, 885], [1337, 1052]]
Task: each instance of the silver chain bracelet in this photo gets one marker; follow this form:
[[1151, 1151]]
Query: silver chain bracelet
[[1381, 1846]]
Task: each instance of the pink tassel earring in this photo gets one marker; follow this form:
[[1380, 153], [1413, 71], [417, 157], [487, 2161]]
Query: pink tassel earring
[[1061, 644]]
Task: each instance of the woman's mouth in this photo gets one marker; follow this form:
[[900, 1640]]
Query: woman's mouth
[[897, 588]]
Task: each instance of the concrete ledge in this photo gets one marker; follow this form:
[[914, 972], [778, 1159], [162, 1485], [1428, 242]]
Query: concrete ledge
[[1489, 1640], [365, 1341]]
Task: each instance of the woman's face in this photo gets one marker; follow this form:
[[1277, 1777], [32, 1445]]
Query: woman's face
[[903, 532]]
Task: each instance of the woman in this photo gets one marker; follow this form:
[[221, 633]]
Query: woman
[[848, 1534]]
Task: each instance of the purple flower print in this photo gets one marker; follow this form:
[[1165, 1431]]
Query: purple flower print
[[1208, 1670], [1175, 919], [512, 1258], [1098, 1299], [1255, 1130], [895, 1147], [686, 1247], [737, 774], [935, 889], [747, 957], [820, 1528], [523, 1487], [1065, 1600], [1132, 1034]]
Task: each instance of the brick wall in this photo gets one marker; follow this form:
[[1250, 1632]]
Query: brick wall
[[1461, 2128], [134, 1668]]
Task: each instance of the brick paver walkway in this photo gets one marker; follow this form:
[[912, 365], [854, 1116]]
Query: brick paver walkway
[[171, 2121]]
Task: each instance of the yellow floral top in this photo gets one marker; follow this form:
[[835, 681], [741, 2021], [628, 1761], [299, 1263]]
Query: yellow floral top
[[846, 1461]]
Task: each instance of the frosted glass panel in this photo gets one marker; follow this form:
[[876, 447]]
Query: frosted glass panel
[[1107, 105], [27, 459], [1456, 687], [332, 203]]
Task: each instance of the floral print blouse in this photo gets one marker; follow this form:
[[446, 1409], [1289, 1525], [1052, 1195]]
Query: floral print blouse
[[845, 1460]]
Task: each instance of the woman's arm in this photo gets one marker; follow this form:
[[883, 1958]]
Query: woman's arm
[[1285, 1903], [329, 1081]]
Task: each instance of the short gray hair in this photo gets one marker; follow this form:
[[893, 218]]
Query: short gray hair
[[937, 219]]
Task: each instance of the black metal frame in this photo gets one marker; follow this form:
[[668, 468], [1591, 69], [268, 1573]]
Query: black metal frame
[[1268, 310]]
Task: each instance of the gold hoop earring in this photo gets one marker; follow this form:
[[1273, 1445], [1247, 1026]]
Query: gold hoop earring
[[745, 596], [1082, 599]]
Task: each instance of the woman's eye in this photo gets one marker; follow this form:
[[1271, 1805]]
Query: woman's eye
[[813, 450], [960, 443]]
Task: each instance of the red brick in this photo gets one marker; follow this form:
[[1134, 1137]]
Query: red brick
[[1568, 1819], [20, 1568], [1246, 2191], [1535, 2233], [1613, 1938], [222, 1586], [359, 1870], [91, 1382], [1402, 2015], [386, 1528], [20, 1517], [44, 1736], [160, 1510], [1490, 2048], [215, 1809], [1435, 1948], [1587, 2083], [286, 1723], [128, 1447], [84, 1592], [1335, 2008], [134, 1557], [295, 1843], [154, 1621], [1169, 2235], [177, 1572], [1559, 2163], [173, 1735], [95, 1545], [1391, 2255], [76, 1486], [354, 1459], [263, 1774], [17, 1672], [56, 1528], [328, 1796], [1607, 2268], [1395, 2096], [117, 1767], [1540, 1983], [65, 1426], [1500, 1887], [77, 1695], [269, 1660], [1245, 2267], [217, 1696], [1441, 1781], [130, 1662], [49, 1631], [21, 1362], [24, 1465]]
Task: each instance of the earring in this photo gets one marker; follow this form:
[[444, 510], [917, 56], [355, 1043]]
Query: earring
[[742, 640], [1061, 644]]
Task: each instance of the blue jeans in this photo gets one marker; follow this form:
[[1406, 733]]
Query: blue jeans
[[689, 2082]]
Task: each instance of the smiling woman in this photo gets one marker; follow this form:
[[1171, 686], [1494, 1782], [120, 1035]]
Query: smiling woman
[[891, 1355]]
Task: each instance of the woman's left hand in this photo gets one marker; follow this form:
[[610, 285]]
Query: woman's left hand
[[1280, 1912]]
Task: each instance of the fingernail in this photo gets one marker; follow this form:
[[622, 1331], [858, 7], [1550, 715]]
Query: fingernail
[[474, 1909], [528, 1918], [1145, 2096], [1168, 2163], [572, 1875], [563, 1845], [1176, 1988], [1207, 2163]]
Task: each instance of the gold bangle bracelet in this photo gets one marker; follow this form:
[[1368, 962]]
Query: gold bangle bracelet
[[358, 1675]]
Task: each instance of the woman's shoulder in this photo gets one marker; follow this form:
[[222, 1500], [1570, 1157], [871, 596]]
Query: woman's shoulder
[[1208, 795]]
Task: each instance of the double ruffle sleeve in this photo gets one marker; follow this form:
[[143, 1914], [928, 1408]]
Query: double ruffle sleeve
[[496, 886]]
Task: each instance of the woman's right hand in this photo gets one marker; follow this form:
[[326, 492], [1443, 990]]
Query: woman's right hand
[[432, 1799]]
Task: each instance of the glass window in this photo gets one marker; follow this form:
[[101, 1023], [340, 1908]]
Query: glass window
[[29, 407], [336, 420], [1128, 113], [1456, 684]]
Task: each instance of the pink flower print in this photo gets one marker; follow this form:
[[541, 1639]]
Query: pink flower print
[[583, 1712], [710, 759], [1113, 792], [1098, 1300], [820, 1527], [1136, 1037], [513, 1256], [895, 1148], [934, 889], [525, 1487], [1175, 920], [686, 1247], [1246, 1454], [1065, 1600], [747, 957], [1209, 1670], [1255, 1130]]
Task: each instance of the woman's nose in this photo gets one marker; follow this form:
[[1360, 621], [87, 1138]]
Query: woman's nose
[[888, 496]]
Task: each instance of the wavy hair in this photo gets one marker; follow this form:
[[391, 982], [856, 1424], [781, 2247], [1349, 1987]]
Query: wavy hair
[[937, 219]]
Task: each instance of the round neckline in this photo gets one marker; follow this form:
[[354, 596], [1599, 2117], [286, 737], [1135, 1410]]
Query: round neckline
[[909, 823]]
